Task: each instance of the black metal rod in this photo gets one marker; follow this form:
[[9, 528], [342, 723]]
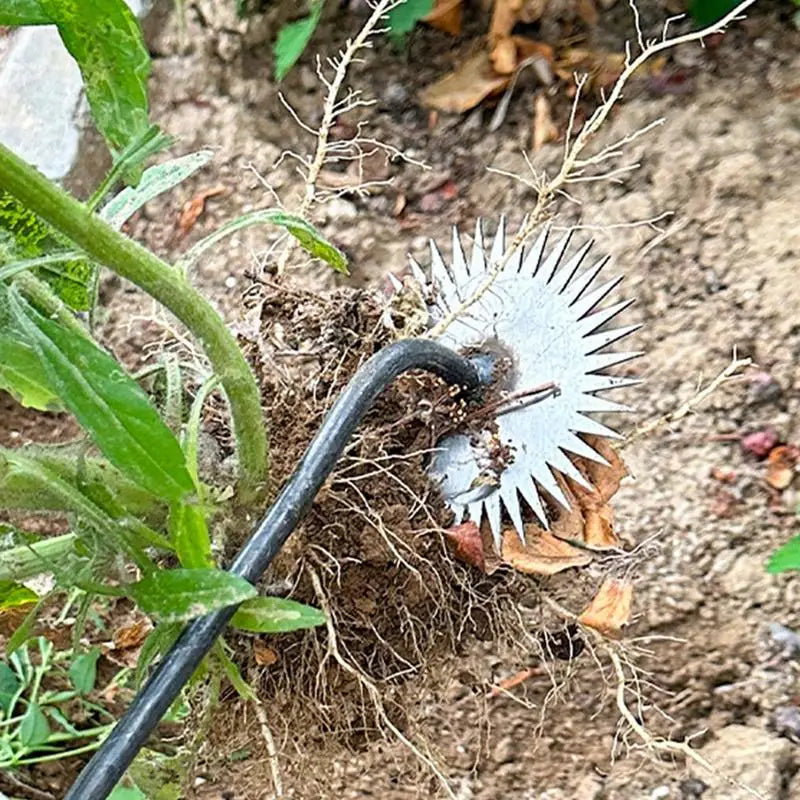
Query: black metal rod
[[109, 763]]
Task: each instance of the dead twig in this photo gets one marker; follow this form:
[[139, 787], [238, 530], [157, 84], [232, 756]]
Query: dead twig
[[687, 407], [573, 167]]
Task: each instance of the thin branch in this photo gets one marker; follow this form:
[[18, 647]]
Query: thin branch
[[573, 149], [330, 111], [688, 406]]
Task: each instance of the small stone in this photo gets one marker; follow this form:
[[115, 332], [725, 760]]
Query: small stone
[[763, 389], [785, 722], [750, 756], [503, 752], [395, 95], [340, 210], [660, 793], [691, 788], [785, 640]]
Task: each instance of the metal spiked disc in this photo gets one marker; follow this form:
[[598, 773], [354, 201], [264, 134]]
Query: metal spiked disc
[[541, 317]]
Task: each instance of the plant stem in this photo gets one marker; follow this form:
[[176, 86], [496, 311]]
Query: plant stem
[[138, 265]]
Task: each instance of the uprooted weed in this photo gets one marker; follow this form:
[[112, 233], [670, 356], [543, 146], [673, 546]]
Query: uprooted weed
[[371, 548]]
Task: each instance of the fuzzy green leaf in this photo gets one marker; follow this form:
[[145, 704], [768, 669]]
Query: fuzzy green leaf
[[108, 403], [34, 730], [83, 671], [178, 595], [13, 595], [275, 615], [190, 536], [404, 17], [24, 236], [9, 686], [294, 38], [22, 12], [312, 240], [155, 181], [127, 793], [786, 558], [105, 39]]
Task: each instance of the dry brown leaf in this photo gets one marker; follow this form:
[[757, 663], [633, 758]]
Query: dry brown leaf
[[781, 464], [544, 554], [193, 208], [504, 56], [507, 13], [468, 546], [606, 479], [265, 656], [598, 533], [132, 635], [504, 16], [544, 130], [610, 608], [446, 16], [590, 518], [466, 87]]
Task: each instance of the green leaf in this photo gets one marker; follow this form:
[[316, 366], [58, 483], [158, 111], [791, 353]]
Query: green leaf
[[24, 236], [34, 729], [13, 595], [189, 531], [233, 673], [404, 17], [275, 615], [294, 38], [155, 181], [131, 160], [178, 595], [24, 631], [127, 793], [158, 641], [23, 377], [108, 403], [9, 687], [22, 12], [105, 39], [306, 234], [707, 12], [312, 240], [786, 557], [83, 671]]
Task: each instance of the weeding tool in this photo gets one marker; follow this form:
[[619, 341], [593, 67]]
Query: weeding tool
[[540, 316]]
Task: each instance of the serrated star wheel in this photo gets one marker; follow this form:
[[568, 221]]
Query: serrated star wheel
[[544, 317]]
